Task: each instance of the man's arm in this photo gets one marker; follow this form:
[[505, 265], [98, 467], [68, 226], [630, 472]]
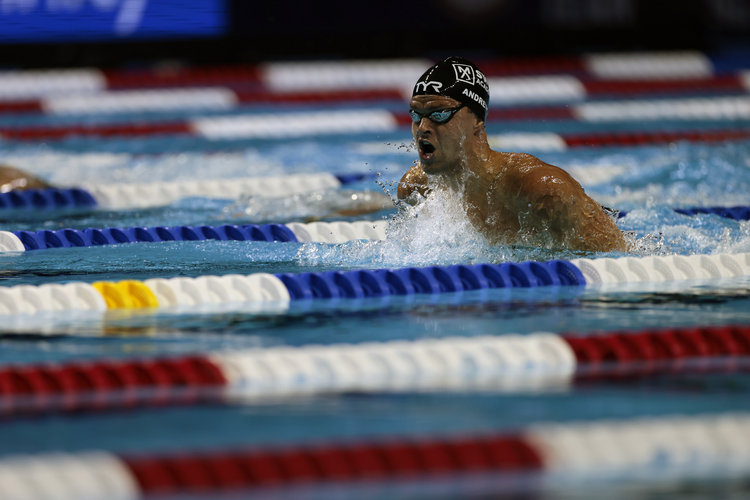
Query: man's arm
[[558, 206], [414, 180]]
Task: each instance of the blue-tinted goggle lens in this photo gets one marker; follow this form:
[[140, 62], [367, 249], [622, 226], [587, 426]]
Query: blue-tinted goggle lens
[[439, 116]]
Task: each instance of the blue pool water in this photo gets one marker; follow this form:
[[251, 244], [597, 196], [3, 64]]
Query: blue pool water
[[647, 182]]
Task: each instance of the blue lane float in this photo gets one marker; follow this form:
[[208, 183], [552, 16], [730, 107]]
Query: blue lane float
[[320, 232], [63, 238], [352, 178], [47, 199], [737, 212], [430, 280]]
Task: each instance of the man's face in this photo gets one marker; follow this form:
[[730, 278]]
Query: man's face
[[440, 145]]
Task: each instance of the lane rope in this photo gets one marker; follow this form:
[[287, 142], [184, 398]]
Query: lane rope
[[353, 122], [677, 447], [279, 290], [18, 85], [507, 90], [538, 361], [153, 194], [321, 232]]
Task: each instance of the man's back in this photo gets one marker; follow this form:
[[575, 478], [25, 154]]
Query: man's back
[[532, 202], [515, 198]]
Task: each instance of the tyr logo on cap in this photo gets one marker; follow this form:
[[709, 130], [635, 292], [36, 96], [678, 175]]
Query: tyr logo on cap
[[425, 87], [464, 73]]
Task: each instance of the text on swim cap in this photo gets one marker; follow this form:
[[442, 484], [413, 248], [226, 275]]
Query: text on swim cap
[[424, 87], [474, 96]]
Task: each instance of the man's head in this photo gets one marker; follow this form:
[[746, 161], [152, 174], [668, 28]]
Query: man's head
[[457, 78], [448, 106]]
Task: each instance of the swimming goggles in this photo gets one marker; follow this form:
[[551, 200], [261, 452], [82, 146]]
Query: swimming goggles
[[440, 116]]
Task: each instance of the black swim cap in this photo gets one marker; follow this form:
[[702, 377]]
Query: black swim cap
[[459, 79]]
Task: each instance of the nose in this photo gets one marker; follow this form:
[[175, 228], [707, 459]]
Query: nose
[[424, 124]]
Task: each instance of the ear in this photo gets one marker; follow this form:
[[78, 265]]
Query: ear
[[479, 129]]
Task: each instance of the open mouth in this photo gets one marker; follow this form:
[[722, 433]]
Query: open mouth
[[425, 147]]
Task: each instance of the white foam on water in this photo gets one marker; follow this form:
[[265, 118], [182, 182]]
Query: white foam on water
[[740, 245], [435, 231]]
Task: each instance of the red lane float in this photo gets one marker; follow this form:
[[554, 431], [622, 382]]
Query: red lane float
[[343, 462], [30, 106], [724, 83], [114, 130], [661, 137], [648, 353], [312, 97], [660, 345], [182, 76], [104, 376], [533, 66]]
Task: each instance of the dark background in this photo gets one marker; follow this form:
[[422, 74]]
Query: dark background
[[279, 30]]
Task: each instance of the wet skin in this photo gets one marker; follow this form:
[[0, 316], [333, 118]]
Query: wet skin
[[14, 179], [512, 198]]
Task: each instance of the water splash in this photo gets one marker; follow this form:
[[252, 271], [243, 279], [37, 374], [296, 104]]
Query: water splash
[[435, 231]]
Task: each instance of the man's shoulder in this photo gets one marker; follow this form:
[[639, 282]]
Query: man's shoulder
[[534, 178], [523, 167]]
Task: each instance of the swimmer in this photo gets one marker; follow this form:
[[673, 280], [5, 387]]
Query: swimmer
[[346, 204], [13, 179], [512, 198]]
